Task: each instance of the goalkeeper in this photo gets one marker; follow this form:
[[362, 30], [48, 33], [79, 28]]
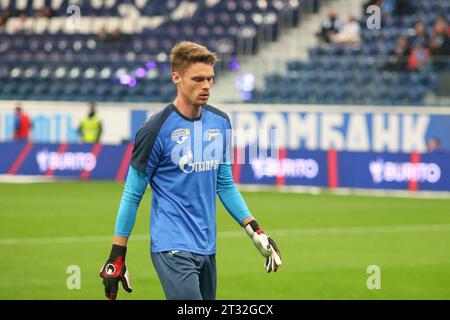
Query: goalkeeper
[[183, 153]]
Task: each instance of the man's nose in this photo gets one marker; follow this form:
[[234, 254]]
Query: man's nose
[[206, 84]]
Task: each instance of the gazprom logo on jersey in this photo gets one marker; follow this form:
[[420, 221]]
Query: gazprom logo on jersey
[[65, 161], [386, 171], [187, 165], [197, 150], [291, 168]]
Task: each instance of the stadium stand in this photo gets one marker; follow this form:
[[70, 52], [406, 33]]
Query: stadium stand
[[118, 50], [371, 71]]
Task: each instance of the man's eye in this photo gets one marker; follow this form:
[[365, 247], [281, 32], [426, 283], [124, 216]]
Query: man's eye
[[203, 79]]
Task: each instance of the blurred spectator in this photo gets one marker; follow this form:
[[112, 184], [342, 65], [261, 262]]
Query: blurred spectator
[[7, 13], [4, 16], [102, 35], [419, 57], [117, 36], [46, 12], [330, 26], [22, 124], [349, 33], [398, 60], [419, 35], [26, 25], [2, 23], [440, 43], [90, 129], [434, 145]]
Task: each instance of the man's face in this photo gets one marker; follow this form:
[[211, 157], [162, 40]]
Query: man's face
[[433, 145], [420, 28], [195, 83]]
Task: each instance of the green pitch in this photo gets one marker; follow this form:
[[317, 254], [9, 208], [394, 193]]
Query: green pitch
[[327, 243]]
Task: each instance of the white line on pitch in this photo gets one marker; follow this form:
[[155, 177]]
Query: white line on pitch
[[236, 234]]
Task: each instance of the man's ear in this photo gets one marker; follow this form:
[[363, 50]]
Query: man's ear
[[176, 78]]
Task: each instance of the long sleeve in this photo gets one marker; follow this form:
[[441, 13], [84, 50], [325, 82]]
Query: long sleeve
[[229, 194], [144, 159], [135, 187]]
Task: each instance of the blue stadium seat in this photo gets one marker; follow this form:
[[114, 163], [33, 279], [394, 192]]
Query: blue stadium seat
[[41, 57]]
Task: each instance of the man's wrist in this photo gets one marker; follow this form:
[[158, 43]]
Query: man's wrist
[[253, 227], [120, 240], [246, 221]]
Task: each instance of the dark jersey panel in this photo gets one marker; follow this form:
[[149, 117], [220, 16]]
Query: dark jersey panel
[[218, 112], [146, 137]]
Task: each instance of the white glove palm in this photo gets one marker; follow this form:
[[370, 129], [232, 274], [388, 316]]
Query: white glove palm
[[265, 245]]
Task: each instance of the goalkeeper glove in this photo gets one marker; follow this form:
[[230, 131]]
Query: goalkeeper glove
[[113, 271], [265, 245]]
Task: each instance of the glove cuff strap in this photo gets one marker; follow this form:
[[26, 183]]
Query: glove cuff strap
[[117, 251], [251, 228]]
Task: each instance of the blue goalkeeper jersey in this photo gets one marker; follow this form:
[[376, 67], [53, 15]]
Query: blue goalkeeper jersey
[[186, 162]]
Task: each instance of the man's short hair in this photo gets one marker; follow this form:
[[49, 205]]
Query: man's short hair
[[18, 106], [186, 53]]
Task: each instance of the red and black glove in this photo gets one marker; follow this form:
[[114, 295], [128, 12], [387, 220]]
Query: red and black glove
[[115, 270]]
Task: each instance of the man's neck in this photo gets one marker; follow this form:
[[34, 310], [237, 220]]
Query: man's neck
[[189, 111]]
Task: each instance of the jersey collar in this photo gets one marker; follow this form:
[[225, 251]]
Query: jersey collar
[[183, 116]]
